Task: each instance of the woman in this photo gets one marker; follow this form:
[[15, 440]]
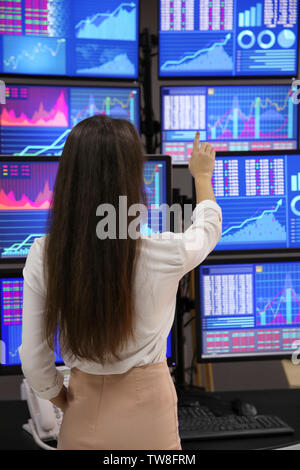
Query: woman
[[112, 301]]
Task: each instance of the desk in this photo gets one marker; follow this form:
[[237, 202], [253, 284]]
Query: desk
[[284, 403]]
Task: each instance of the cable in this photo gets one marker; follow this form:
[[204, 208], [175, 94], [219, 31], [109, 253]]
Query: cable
[[36, 437]]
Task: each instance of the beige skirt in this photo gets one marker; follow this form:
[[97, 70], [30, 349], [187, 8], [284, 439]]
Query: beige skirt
[[135, 410]]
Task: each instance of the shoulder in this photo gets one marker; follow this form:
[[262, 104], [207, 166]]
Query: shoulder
[[33, 271]]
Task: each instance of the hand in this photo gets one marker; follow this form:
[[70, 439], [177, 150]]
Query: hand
[[202, 162], [60, 401]]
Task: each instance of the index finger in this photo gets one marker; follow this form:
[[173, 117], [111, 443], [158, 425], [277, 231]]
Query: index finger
[[197, 141]]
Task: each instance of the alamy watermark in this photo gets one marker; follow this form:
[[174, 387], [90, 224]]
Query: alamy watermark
[[162, 222]]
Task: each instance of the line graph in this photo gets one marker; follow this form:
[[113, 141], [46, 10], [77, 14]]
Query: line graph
[[119, 24], [252, 219], [252, 114], [253, 223], [213, 57], [121, 103], [31, 55]]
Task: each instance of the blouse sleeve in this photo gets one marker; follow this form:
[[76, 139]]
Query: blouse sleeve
[[37, 359], [201, 237]]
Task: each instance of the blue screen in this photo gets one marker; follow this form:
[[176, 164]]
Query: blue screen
[[36, 120], [228, 38], [70, 38], [260, 201], [26, 191], [250, 309], [11, 302], [231, 118]]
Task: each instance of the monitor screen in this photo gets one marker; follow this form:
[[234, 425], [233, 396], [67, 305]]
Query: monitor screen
[[228, 38], [36, 120], [260, 199], [249, 310], [231, 118], [26, 190], [11, 304], [70, 38]]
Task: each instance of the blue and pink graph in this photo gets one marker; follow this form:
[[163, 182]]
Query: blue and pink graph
[[36, 120], [25, 198], [26, 192], [101, 38]]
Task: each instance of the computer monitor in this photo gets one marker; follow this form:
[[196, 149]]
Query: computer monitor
[[70, 38], [37, 119], [259, 194], [248, 309], [11, 303], [230, 117], [26, 190], [228, 38]]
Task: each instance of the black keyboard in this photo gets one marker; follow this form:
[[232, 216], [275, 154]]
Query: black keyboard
[[198, 422]]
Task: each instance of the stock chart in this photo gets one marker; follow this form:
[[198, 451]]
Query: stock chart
[[67, 37], [231, 118], [26, 191], [36, 120], [259, 197], [250, 309], [228, 38]]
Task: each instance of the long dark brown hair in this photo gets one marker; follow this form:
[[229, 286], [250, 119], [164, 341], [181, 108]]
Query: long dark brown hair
[[89, 299]]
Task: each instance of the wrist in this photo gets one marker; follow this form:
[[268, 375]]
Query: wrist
[[200, 177]]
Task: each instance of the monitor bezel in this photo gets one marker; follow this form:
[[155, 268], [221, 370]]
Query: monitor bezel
[[198, 308], [215, 254], [218, 84], [222, 77], [87, 77]]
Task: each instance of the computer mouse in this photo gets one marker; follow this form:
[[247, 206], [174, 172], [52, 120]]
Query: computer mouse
[[243, 408]]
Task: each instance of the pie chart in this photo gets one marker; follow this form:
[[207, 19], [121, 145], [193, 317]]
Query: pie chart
[[286, 38]]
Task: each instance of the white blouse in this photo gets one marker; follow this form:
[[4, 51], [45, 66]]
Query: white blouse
[[163, 261]]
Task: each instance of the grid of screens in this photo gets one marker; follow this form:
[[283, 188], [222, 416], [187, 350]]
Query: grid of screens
[[11, 302], [26, 193], [36, 120], [249, 309], [260, 200], [231, 118], [228, 38], [69, 37]]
